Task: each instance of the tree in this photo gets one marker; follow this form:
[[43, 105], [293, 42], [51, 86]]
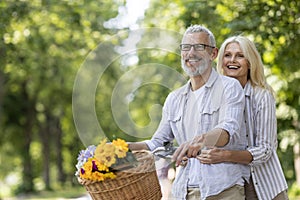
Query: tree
[[44, 44]]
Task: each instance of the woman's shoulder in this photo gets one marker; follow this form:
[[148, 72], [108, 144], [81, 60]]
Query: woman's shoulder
[[262, 94]]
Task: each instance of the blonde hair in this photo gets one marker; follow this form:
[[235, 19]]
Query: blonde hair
[[256, 75]]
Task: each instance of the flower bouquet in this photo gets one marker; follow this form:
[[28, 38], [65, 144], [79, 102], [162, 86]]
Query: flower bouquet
[[112, 171]]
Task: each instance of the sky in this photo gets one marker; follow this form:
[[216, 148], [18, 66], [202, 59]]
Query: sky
[[128, 15]]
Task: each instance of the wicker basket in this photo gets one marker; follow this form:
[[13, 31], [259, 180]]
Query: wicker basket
[[138, 183]]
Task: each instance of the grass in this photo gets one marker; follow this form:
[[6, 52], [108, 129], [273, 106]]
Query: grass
[[67, 193]]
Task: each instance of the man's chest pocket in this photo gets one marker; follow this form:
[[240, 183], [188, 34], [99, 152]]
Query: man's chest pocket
[[209, 118], [174, 118]]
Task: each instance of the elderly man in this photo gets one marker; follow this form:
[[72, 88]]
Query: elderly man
[[205, 112]]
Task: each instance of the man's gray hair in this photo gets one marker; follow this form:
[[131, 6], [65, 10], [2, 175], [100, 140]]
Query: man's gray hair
[[199, 28]]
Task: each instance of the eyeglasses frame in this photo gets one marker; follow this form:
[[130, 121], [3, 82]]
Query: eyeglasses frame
[[203, 46]]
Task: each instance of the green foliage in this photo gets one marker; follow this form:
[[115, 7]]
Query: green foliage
[[45, 43], [42, 47], [294, 192]]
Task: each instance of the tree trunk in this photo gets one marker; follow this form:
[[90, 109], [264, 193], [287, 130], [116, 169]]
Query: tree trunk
[[1, 93], [45, 140], [28, 185], [2, 63], [29, 110], [58, 147]]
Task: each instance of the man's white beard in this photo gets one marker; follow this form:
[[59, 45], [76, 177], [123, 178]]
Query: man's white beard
[[198, 70]]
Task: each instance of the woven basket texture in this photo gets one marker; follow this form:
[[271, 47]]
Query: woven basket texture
[[138, 183]]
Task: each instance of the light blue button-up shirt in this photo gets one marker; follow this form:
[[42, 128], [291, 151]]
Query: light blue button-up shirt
[[222, 107]]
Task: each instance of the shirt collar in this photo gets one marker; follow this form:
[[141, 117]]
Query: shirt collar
[[212, 78], [247, 89]]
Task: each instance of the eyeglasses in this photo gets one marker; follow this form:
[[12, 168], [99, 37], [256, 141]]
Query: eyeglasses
[[197, 47]]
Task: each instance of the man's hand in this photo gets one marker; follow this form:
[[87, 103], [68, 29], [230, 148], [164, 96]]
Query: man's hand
[[195, 146], [187, 150], [180, 154], [212, 156]]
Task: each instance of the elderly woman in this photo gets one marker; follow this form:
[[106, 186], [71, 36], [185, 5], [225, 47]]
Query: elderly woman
[[239, 59]]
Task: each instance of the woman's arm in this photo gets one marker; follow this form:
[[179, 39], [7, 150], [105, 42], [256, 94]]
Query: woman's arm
[[264, 127], [216, 137], [217, 155]]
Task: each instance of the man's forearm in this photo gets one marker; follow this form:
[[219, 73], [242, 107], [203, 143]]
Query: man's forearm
[[216, 137], [135, 146]]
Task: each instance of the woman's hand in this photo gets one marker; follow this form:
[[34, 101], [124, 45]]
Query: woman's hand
[[212, 156]]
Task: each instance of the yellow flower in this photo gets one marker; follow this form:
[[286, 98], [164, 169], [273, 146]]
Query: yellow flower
[[87, 168], [100, 147], [121, 144], [110, 175], [97, 168], [121, 148], [105, 153], [101, 167], [97, 176]]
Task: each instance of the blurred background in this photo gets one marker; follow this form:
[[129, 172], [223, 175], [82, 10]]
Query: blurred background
[[45, 43]]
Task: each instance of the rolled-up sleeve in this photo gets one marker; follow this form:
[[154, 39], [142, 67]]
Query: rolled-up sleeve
[[232, 109], [265, 129]]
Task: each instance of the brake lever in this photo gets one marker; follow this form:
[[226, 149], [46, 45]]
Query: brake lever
[[165, 152]]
